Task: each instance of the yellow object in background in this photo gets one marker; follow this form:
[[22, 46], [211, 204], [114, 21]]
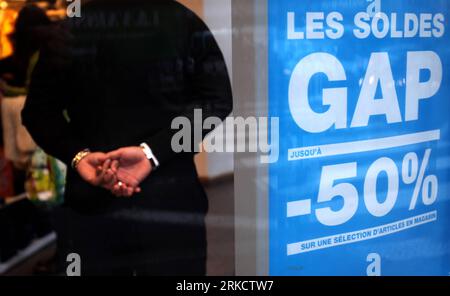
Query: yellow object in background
[[8, 17], [7, 20]]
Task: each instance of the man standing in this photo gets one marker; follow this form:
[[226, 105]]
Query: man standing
[[102, 99]]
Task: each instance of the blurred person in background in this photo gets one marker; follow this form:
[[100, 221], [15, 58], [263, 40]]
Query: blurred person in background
[[102, 99], [28, 36], [35, 173]]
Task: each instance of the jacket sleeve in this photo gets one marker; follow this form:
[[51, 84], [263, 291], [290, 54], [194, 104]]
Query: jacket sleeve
[[209, 90], [49, 91]]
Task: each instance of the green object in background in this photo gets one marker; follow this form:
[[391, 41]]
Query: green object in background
[[46, 179]]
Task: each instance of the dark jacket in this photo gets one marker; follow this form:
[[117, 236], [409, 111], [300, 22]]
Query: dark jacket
[[123, 72]]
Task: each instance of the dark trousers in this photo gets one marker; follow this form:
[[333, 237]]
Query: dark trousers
[[132, 242]]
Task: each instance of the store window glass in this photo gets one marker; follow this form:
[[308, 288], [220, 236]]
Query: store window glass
[[224, 137]]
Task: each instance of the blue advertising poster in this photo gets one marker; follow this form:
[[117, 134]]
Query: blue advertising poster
[[361, 90]]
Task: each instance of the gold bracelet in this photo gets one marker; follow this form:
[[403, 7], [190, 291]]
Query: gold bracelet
[[80, 155]]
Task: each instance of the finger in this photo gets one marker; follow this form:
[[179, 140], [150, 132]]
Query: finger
[[137, 190], [115, 166], [105, 166], [99, 170], [121, 189], [116, 190], [109, 180], [127, 191], [100, 158], [101, 173], [127, 178], [109, 176], [115, 155]]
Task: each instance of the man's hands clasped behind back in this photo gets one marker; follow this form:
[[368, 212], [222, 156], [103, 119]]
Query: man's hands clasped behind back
[[120, 171]]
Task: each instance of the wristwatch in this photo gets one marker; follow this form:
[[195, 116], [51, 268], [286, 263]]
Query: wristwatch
[[80, 155], [150, 156]]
